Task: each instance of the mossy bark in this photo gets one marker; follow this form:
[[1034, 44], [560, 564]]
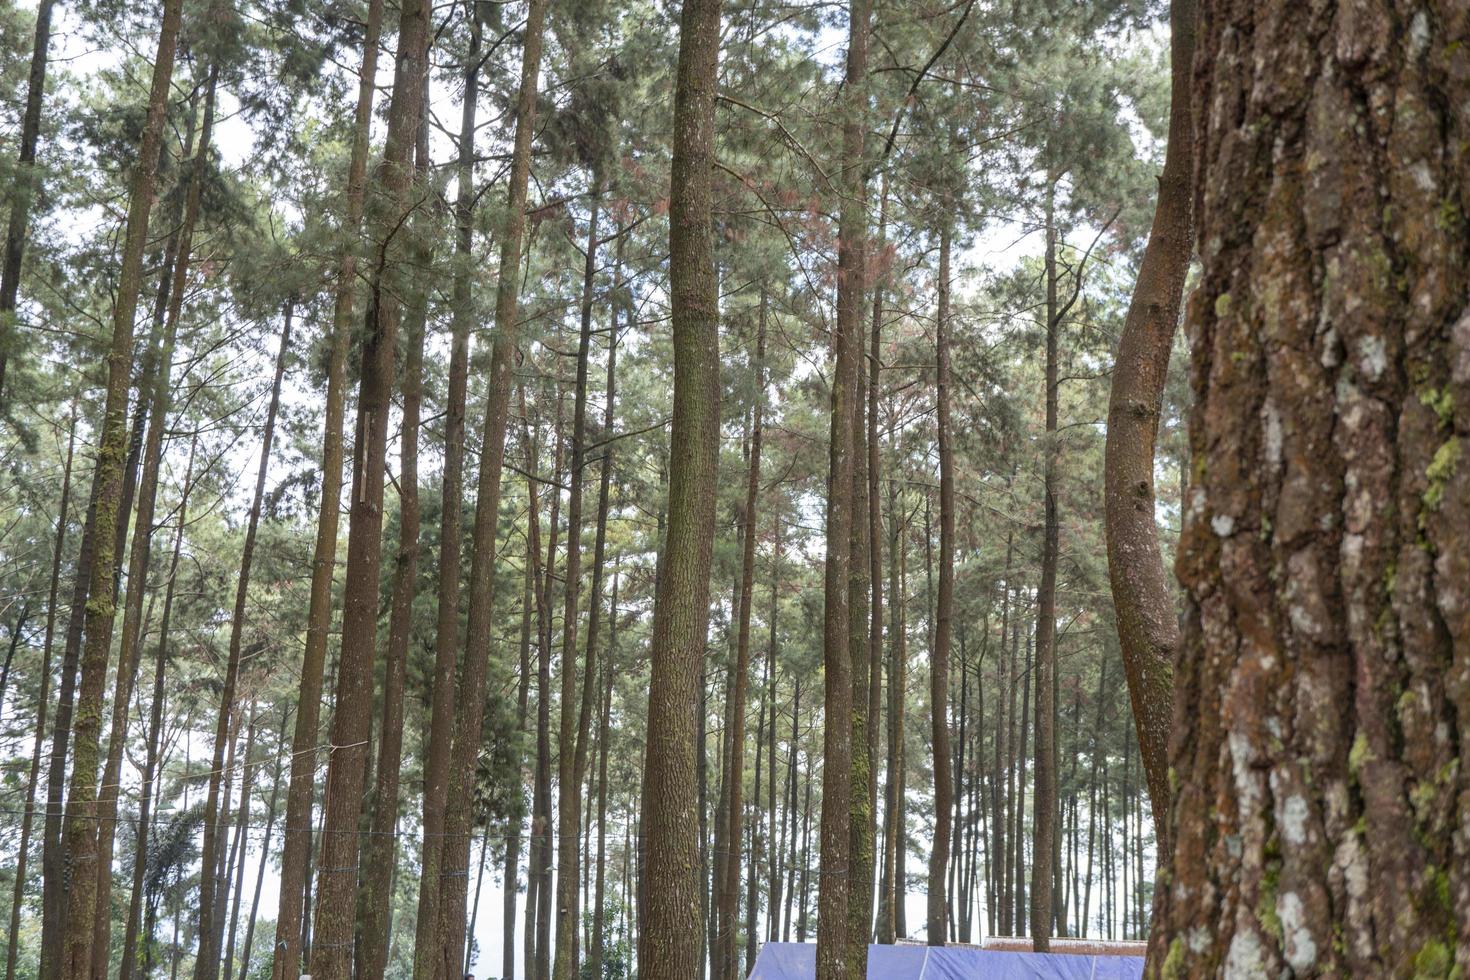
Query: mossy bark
[[1323, 681]]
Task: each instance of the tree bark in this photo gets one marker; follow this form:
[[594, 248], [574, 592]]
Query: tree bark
[[1143, 599], [672, 929], [599, 917], [241, 845], [1323, 681], [80, 831], [834, 959], [296, 827], [599, 553]]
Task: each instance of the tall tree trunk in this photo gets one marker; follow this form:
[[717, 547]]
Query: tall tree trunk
[[1044, 804], [152, 763], [380, 849], [446, 636], [859, 595], [757, 844], [1143, 600], [159, 390], [536, 840], [572, 728], [1323, 682], [834, 959], [875, 559], [729, 893], [545, 869], [599, 554], [342, 795], [469, 715], [25, 181], [1018, 832], [80, 831], [892, 899], [944, 614], [672, 931], [291, 921], [604, 729], [210, 910], [33, 776]]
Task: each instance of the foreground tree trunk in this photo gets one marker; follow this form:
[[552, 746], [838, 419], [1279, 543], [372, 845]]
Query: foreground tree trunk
[[346, 769], [296, 827], [1148, 629], [671, 928], [834, 960], [1323, 681], [80, 832]]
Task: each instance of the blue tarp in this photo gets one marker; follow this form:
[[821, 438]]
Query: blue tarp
[[798, 961]]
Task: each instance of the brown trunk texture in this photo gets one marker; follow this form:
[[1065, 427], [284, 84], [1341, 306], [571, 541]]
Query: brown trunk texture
[[1323, 681], [671, 932]]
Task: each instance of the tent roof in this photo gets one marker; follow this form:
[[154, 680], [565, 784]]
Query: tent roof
[[798, 961]]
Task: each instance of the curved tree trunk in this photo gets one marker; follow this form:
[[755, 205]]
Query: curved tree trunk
[[671, 933], [1143, 600], [1322, 687]]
